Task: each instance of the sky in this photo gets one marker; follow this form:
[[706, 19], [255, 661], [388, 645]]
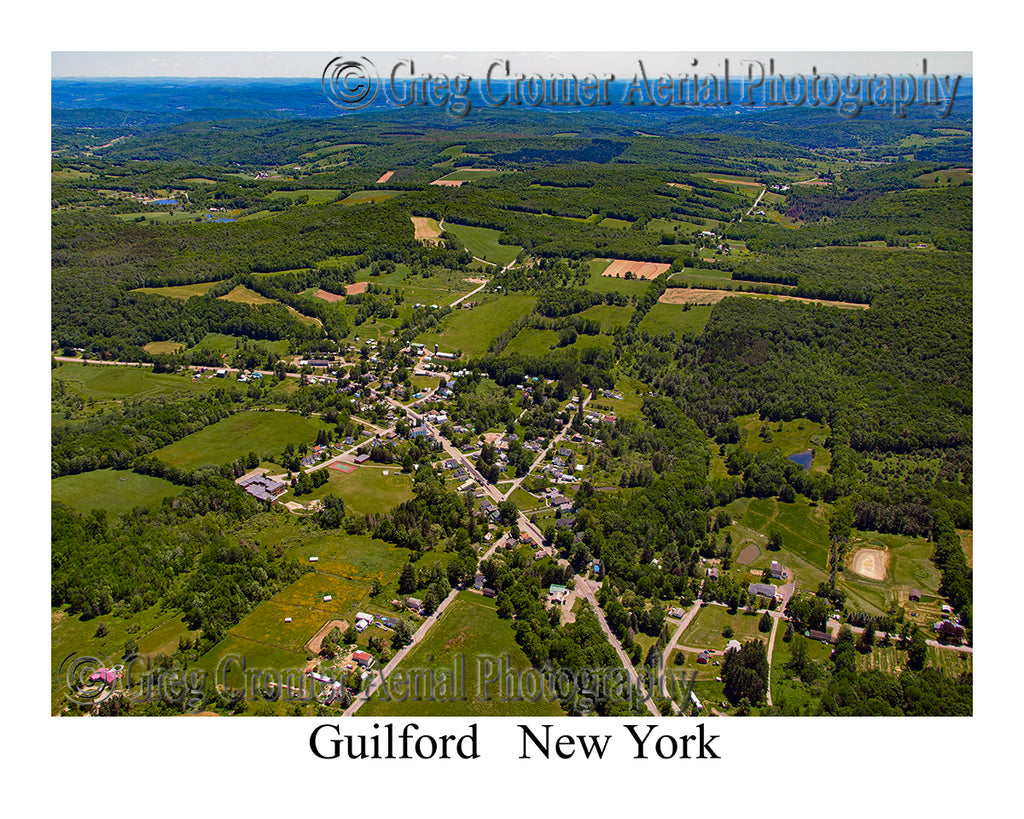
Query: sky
[[475, 63]]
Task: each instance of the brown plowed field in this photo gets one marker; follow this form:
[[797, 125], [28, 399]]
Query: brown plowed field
[[695, 295], [642, 270]]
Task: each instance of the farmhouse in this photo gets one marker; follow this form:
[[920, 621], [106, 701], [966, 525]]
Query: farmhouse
[[762, 590], [362, 658], [915, 595]]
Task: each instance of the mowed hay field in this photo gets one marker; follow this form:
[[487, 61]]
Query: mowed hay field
[[696, 295], [244, 295], [472, 331], [304, 602], [236, 436], [113, 491], [365, 491], [483, 243], [180, 291], [468, 631]]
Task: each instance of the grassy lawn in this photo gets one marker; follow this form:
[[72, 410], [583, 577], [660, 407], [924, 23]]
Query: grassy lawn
[[705, 630], [663, 319], [483, 243], [365, 491], [110, 490], [468, 635], [236, 436]]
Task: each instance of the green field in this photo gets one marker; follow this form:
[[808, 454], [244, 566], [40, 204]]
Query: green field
[[244, 295], [163, 347], [532, 341], [891, 660], [316, 197], [483, 243], [160, 216], [366, 491], [221, 343], [154, 629], [467, 632], [804, 529], [469, 174], [611, 317], [110, 381], [265, 433], [664, 319], [472, 331], [181, 291], [705, 630], [609, 284], [372, 197], [113, 491], [789, 438]]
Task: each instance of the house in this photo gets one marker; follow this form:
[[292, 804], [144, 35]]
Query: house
[[915, 595], [361, 657], [820, 636], [732, 645], [950, 632], [777, 572], [762, 590], [712, 573], [414, 603], [478, 582], [676, 612], [703, 657]]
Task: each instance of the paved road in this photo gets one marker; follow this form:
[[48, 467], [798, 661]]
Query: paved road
[[417, 638]]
